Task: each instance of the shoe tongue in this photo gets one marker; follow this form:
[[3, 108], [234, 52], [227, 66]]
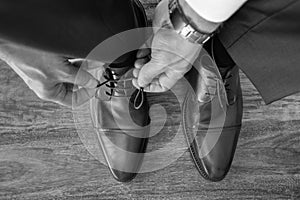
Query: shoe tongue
[[123, 74], [207, 62], [120, 71]]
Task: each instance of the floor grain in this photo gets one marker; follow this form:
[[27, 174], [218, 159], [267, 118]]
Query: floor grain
[[42, 156]]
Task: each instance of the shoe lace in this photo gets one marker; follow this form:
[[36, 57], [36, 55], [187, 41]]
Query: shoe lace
[[222, 83], [219, 87], [113, 81]]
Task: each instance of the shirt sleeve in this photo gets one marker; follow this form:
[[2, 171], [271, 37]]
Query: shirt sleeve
[[216, 10]]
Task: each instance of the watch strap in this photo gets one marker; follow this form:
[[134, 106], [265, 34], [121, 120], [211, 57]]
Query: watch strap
[[185, 28]]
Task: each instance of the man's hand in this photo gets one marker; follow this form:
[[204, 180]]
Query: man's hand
[[171, 56], [51, 77]]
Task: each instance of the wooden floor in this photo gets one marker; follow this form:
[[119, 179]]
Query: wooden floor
[[42, 156]]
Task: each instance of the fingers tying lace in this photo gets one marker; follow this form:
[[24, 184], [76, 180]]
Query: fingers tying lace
[[118, 88]]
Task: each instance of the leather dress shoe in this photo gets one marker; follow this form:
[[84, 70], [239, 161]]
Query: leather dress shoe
[[212, 129], [120, 114]]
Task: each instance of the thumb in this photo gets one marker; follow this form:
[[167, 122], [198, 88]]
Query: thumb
[[85, 79], [80, 77], [149, 71], [71, 98]]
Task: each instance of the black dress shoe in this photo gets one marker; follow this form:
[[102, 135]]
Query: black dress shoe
[[213, 112], [120, 114]]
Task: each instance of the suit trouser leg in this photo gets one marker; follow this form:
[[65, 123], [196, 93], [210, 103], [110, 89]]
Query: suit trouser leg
[[70, 28], [263, 38]]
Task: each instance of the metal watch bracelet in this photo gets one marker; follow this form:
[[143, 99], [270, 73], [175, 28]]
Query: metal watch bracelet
[[183, 27]]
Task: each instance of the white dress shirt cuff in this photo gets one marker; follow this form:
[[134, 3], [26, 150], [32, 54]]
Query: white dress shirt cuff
[[216, 10]]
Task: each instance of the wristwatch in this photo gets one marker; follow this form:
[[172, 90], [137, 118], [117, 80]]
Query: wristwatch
[[185, 28]]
